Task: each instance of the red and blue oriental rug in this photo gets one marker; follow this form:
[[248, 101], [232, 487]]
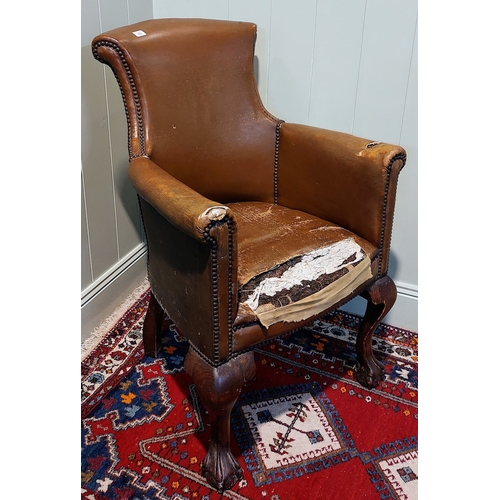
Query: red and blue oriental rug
[[302, 429]]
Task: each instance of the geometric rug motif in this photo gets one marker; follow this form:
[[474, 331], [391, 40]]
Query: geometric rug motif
[[114, 356], [401, 471], [133, 464], [395, 471], [294, 428], [303, 428]]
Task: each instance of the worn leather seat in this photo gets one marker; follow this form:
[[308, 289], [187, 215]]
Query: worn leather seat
[[254, 226]]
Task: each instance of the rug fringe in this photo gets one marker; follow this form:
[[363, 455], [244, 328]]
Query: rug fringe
[[103, 329]]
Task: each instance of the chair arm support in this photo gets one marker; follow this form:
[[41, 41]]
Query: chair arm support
[[186, 209], [342, 178]]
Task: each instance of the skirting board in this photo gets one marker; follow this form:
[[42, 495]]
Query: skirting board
[[100, 299], [404, 313]]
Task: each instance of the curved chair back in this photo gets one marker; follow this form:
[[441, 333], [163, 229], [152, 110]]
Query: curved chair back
[[190, 93]]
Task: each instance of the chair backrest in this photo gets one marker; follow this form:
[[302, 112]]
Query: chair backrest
[[192, 103]]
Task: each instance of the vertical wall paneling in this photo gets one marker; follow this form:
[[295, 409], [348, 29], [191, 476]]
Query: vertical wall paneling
[[290, 60], [258, 12], [386, 110], [339, 35], [90, 24], [113, 245], [86, 272], [404, 256], [384, 68], [114, 13], [96, 166], [215, 9], [128, 218], [138, 10], [170, 8]]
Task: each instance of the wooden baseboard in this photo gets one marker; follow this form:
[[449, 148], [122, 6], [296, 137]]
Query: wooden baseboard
[[100, 299]]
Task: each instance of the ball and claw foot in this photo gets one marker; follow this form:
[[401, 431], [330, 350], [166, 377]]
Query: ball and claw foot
[[218, 389], [221, 470], [370, 374], [380, 296]]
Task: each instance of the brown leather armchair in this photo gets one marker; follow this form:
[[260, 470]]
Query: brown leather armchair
[[255, 227]]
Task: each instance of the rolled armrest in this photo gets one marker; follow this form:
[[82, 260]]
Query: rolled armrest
[[186, 209], [342, 178]]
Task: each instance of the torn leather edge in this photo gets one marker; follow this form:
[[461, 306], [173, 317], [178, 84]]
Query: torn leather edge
[[320, 301]]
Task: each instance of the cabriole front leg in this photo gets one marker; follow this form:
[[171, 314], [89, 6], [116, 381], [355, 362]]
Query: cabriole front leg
[[218, 389], [381, 296]]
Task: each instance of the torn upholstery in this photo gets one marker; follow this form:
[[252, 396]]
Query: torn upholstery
[[293, 265]]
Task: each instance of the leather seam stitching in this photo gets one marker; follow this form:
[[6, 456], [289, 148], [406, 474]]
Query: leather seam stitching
[[215, 287], [276, 151], [397, 157]]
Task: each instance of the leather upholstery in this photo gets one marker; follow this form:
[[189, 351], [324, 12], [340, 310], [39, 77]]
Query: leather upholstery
[[355, 181], [199, 138], [197, 93]]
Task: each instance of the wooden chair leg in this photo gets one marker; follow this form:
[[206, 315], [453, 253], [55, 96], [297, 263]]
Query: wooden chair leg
[[151, 330], [381, 296], [218, 389]]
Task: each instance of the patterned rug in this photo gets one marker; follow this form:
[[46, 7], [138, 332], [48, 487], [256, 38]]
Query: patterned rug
[[302, 429]]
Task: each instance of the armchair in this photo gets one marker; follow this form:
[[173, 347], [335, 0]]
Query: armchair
[[254, 226]]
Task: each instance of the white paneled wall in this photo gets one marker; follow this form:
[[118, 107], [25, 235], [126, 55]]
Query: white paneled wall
[[112, 242], [347, 65], [335, 74]]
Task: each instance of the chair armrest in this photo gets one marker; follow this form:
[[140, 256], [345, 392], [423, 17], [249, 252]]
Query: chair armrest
[[195, 279], [186, 209], [341, 178]]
